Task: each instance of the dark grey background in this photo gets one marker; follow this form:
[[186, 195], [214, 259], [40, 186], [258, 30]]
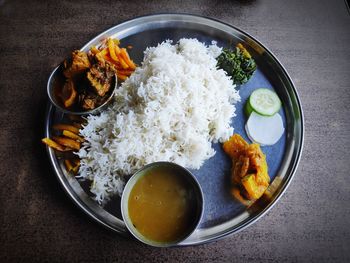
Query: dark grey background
[[311, 221]]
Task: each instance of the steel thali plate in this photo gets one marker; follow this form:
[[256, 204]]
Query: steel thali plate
[[222, 214]]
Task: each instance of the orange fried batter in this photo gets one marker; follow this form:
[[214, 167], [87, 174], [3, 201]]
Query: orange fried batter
[[234, 146], [249, 174]]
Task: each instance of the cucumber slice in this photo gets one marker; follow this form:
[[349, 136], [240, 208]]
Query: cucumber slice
[[248, 109], [264, 101]]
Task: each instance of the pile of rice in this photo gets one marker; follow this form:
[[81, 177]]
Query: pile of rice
[[170, 109]]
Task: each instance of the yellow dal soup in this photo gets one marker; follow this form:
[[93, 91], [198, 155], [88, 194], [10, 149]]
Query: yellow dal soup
[[162, 205]]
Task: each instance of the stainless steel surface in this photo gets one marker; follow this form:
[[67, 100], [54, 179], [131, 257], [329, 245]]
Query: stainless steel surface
[[286, 90], [129, 186]]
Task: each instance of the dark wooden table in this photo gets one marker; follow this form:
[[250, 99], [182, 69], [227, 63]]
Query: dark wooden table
[[311, 221]]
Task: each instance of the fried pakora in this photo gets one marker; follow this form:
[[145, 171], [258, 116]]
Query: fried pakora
[[249, 172]]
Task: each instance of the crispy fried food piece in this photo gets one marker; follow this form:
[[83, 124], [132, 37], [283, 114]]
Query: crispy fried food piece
[[258, 163], [68, 165], [69, 93], [101, 77], [76, 162], [254, 153], [75, 169], [67, 127], [76, 165], [124, 54], [94, 50], [122, 77], [258, 180], [123, 63], [55, 145], [67, 142], [235, 146], [249, 173], [240, 168], [72, 165], [80, 64], [111, 50], [253, 190], [113, 55], [126, 72], [72, 135]]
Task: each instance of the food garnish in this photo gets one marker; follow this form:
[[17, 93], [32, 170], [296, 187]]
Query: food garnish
[[72, 135], [237, 63], [249, 173], [68, 127], [68, 141], [265, 130], [264, 102], [55, 145], [72, 144], [90, 77], [264, 125]]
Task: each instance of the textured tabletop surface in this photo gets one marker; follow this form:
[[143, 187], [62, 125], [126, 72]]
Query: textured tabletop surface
[[311, 221]]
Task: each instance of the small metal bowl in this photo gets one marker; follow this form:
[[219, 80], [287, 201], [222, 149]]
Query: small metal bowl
[[198, 197], [57, 79]]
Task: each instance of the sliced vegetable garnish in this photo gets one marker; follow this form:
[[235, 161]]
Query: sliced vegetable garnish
[[248, 109], [54, 145], [265, 130], [263, 101], [67, 142], [66, 127], [72, 135]]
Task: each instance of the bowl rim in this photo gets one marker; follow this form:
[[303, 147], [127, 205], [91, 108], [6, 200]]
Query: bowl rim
[[131, 183]]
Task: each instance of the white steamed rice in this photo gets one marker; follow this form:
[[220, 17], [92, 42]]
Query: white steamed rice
[[170, 109]]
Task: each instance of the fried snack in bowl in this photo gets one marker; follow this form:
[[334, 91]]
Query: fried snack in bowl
[[86, 82]]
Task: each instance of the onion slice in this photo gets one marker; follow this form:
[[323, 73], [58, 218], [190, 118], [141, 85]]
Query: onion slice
[[265, 130]]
